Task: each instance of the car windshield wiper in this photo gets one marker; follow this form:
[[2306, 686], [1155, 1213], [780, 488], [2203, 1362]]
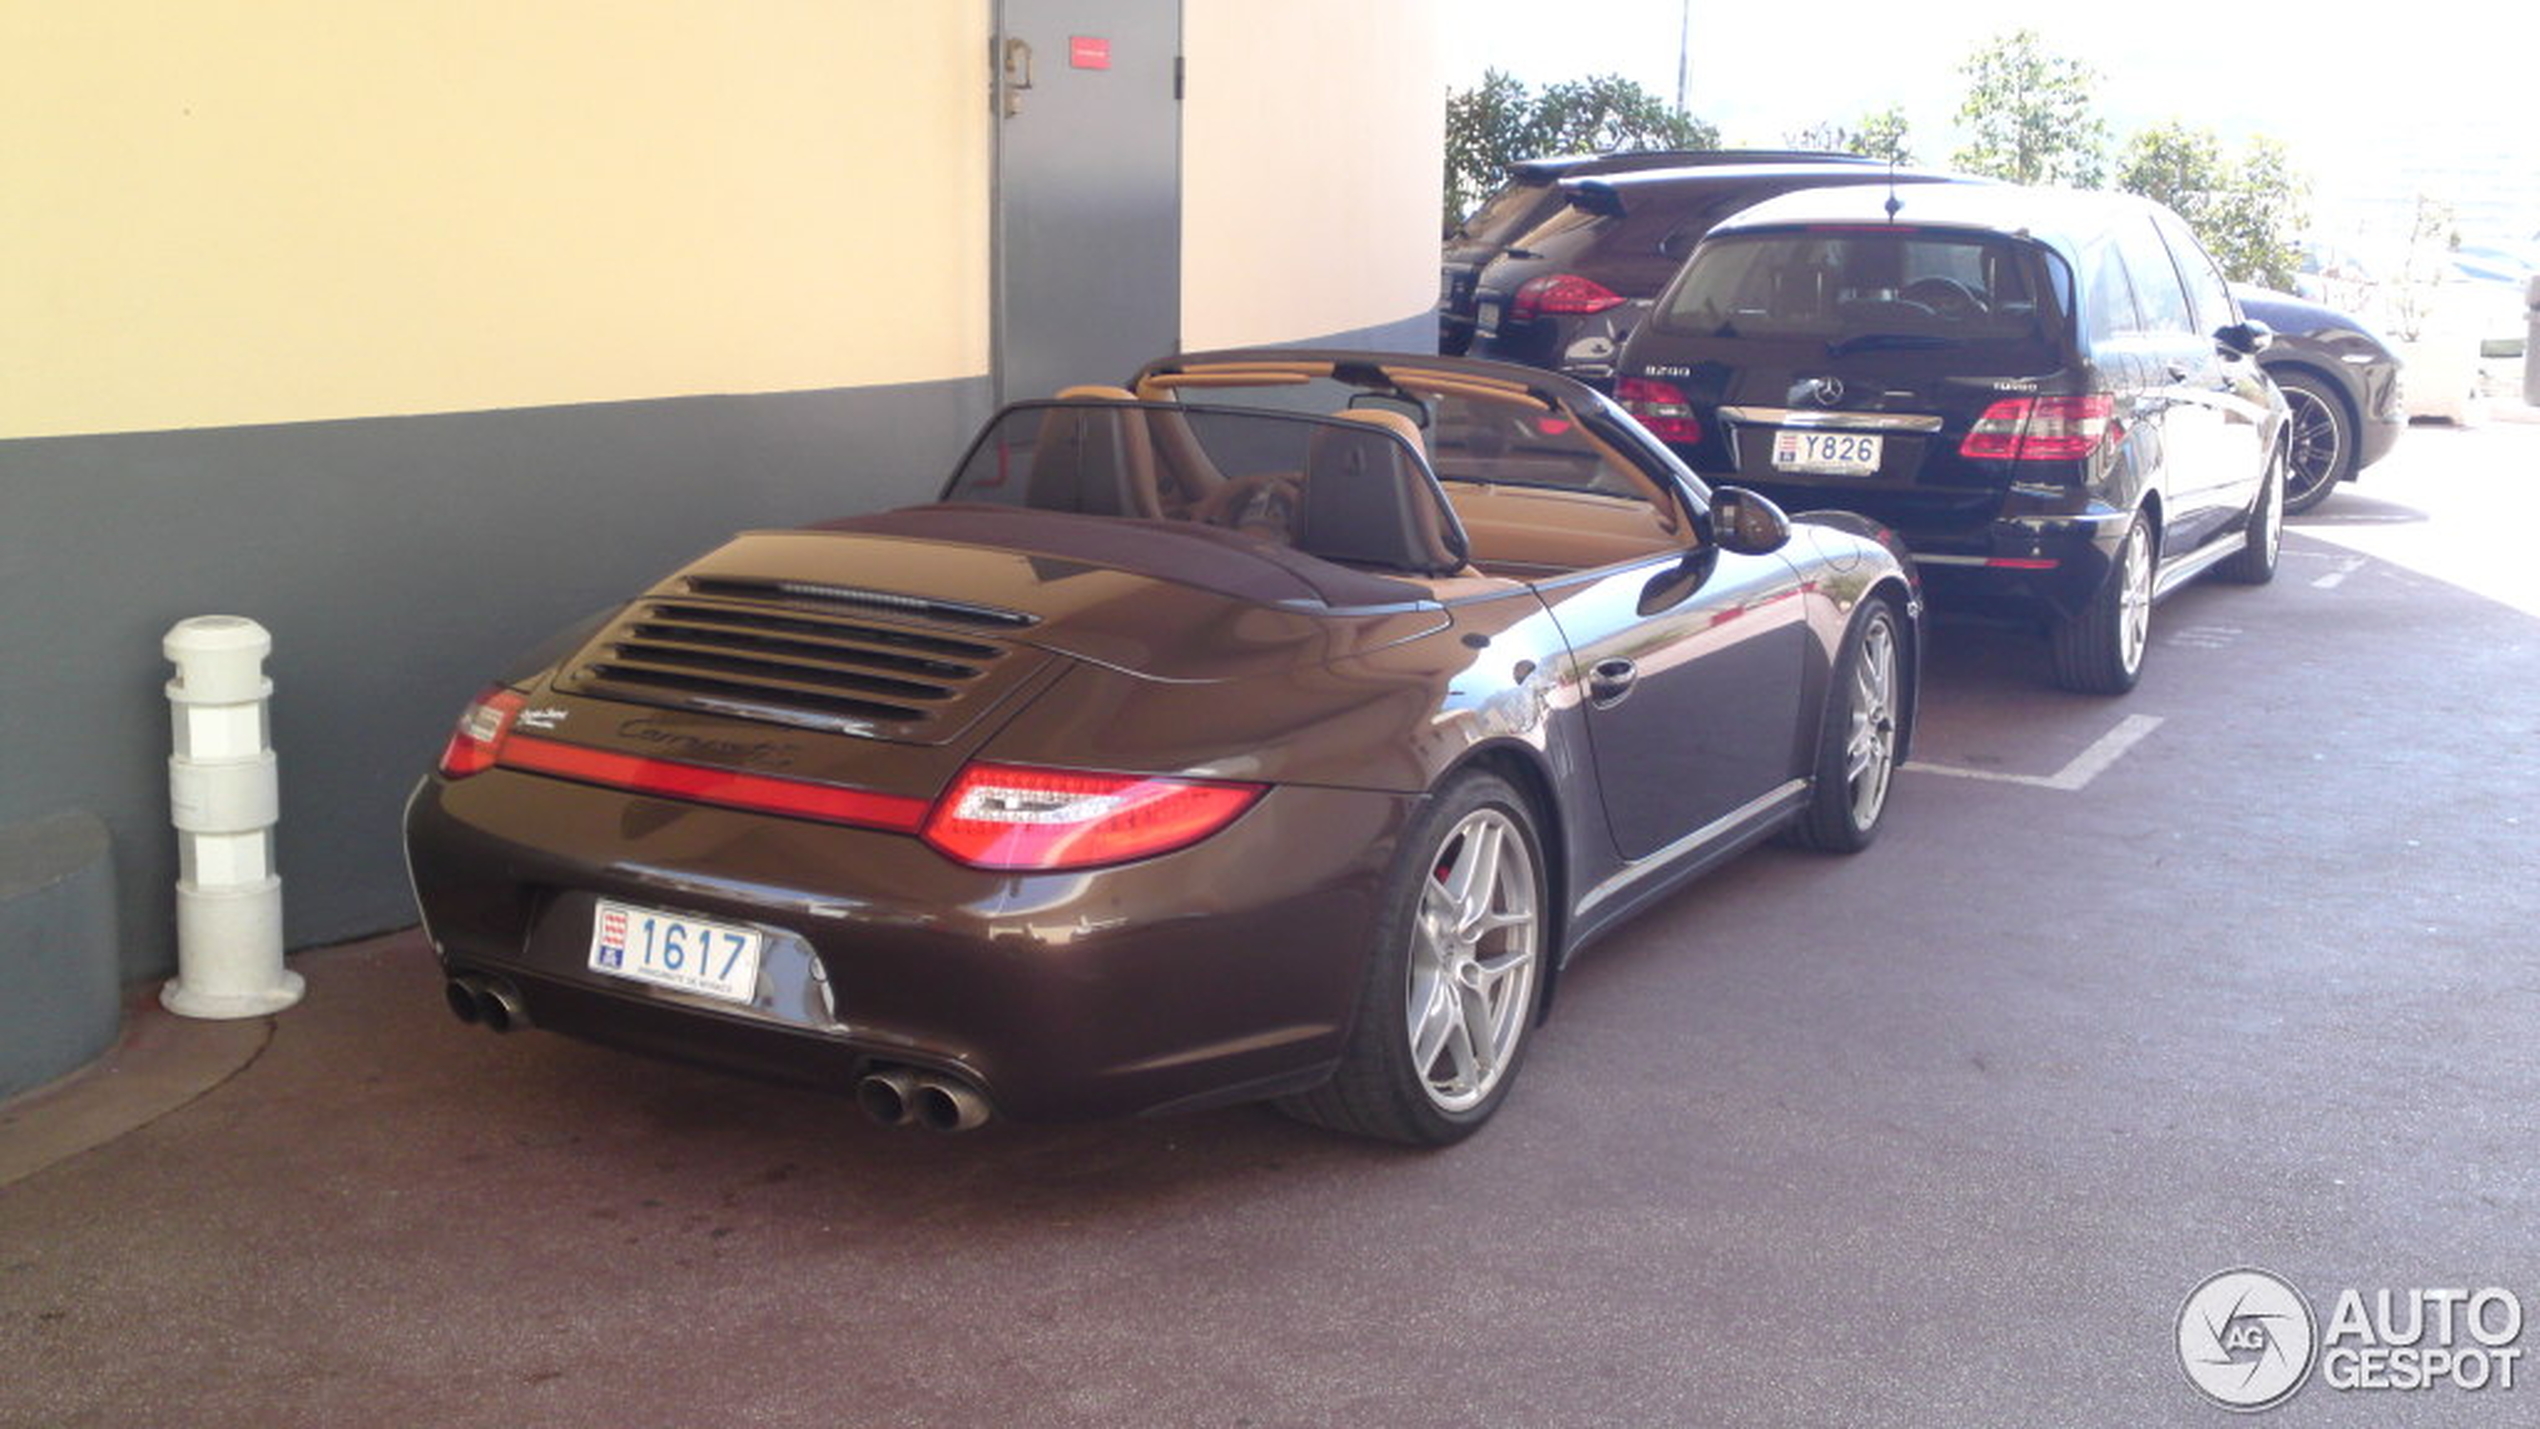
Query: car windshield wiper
[[1890, 342]]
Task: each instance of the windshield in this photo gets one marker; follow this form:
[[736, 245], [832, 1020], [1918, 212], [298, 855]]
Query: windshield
[[1858, 289], [1471, 431], [1506, 213]]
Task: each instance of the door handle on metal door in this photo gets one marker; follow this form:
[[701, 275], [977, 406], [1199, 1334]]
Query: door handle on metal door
[[1610, 681], [1018, 74]]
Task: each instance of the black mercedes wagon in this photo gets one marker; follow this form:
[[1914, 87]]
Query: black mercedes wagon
[[2050, 395]]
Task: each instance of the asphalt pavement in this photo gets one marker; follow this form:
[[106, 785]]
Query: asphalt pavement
[[2238, 970]]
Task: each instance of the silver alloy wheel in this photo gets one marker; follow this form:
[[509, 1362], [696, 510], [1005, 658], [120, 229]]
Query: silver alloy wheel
[[2271, 508], [1869, 748], [2318, 446], [2134, 597], [1474, 959]]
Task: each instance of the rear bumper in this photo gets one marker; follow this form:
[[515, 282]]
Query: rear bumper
[[2052, 562], [1973, 557], [1226, 971], [2374, 437]]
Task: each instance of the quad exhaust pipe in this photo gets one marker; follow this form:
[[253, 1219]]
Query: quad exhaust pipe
[[893, 1096], [899, 1096], [487, 1002]]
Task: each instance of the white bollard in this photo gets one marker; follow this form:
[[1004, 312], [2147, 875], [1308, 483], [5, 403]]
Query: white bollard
[[224, 797]]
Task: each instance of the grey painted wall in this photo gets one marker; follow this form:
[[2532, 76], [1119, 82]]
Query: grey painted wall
[[57, 935], [398, 562]]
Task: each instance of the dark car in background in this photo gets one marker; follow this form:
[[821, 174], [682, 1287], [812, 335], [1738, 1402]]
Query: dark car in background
[[2049, 394], [2341, 386], [1530, 194], [1568, 291], [1533, 193], [1278, 732]]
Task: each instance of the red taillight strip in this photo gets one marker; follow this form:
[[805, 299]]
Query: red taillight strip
[[671, 779]]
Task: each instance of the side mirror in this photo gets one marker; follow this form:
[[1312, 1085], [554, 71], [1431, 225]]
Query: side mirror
[[2247, 338], [1746, 523]]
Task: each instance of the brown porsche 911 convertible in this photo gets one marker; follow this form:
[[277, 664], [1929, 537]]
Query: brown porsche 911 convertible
[[1277, 727]]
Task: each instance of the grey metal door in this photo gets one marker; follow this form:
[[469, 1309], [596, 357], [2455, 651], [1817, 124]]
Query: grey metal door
[[1088, 191]]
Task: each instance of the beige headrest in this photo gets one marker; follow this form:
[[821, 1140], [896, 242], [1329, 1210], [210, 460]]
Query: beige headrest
[[1394, 422]]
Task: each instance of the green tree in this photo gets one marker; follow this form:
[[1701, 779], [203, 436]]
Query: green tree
[[1500, 121], [2175, 165], [2433, 233], [1883, 135], [1486, 126], [2029, 115], [2250, 214], [2262, 221]]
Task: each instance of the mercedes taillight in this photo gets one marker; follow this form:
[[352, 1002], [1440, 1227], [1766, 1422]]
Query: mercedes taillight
[[1662, 407], [2044, 428]]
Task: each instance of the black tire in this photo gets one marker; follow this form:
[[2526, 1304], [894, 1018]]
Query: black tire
[[1448, 961], [2100, 650], [2262, 536], [1866, 701], [2322, 436]]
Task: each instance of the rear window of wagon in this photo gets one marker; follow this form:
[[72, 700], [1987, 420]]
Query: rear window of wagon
[[1841, 286]]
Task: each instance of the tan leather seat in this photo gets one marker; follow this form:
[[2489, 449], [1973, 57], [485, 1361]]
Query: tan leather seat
[[1094, 456], [1185, 477], [1369, 498]]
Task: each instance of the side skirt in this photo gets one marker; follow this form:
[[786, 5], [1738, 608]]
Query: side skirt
[[1643, 881]]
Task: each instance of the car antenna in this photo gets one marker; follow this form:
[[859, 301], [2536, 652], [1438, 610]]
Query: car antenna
[[1894, 203]]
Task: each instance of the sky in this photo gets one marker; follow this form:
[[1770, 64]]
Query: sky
[[2441, 96]]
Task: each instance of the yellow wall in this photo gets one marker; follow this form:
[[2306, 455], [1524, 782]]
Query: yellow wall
[[1312, 144], [222, 214], [285, 210]]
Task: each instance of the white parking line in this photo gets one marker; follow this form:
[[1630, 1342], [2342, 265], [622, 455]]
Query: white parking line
[[2074, 777], [2346, 566], [2204, 637]]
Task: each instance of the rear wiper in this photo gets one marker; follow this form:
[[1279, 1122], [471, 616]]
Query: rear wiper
[[1890, 342]]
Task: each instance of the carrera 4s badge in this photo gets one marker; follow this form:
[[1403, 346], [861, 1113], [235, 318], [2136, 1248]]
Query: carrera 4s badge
[[755, 754]]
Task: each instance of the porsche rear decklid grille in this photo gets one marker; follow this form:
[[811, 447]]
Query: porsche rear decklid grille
[[852, 597], [784, 664]]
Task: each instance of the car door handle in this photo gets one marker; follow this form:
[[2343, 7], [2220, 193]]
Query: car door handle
[[1610, 681]]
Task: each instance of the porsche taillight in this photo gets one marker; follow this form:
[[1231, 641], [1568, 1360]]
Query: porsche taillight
[[2043, 428], [483, 726], [1005, 816], [994, 816], [1566, 294]]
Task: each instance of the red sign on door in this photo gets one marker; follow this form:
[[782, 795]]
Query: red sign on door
[[1088, 52]]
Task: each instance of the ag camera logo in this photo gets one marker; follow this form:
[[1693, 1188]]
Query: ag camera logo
[[2247, 1339]]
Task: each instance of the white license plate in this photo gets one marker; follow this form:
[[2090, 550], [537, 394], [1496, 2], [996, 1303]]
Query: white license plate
[[1826, 453], [1486, 320], [676, 951]]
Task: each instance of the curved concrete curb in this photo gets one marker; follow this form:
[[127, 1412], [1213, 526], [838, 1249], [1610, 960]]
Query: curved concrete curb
[[161, 1063]]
